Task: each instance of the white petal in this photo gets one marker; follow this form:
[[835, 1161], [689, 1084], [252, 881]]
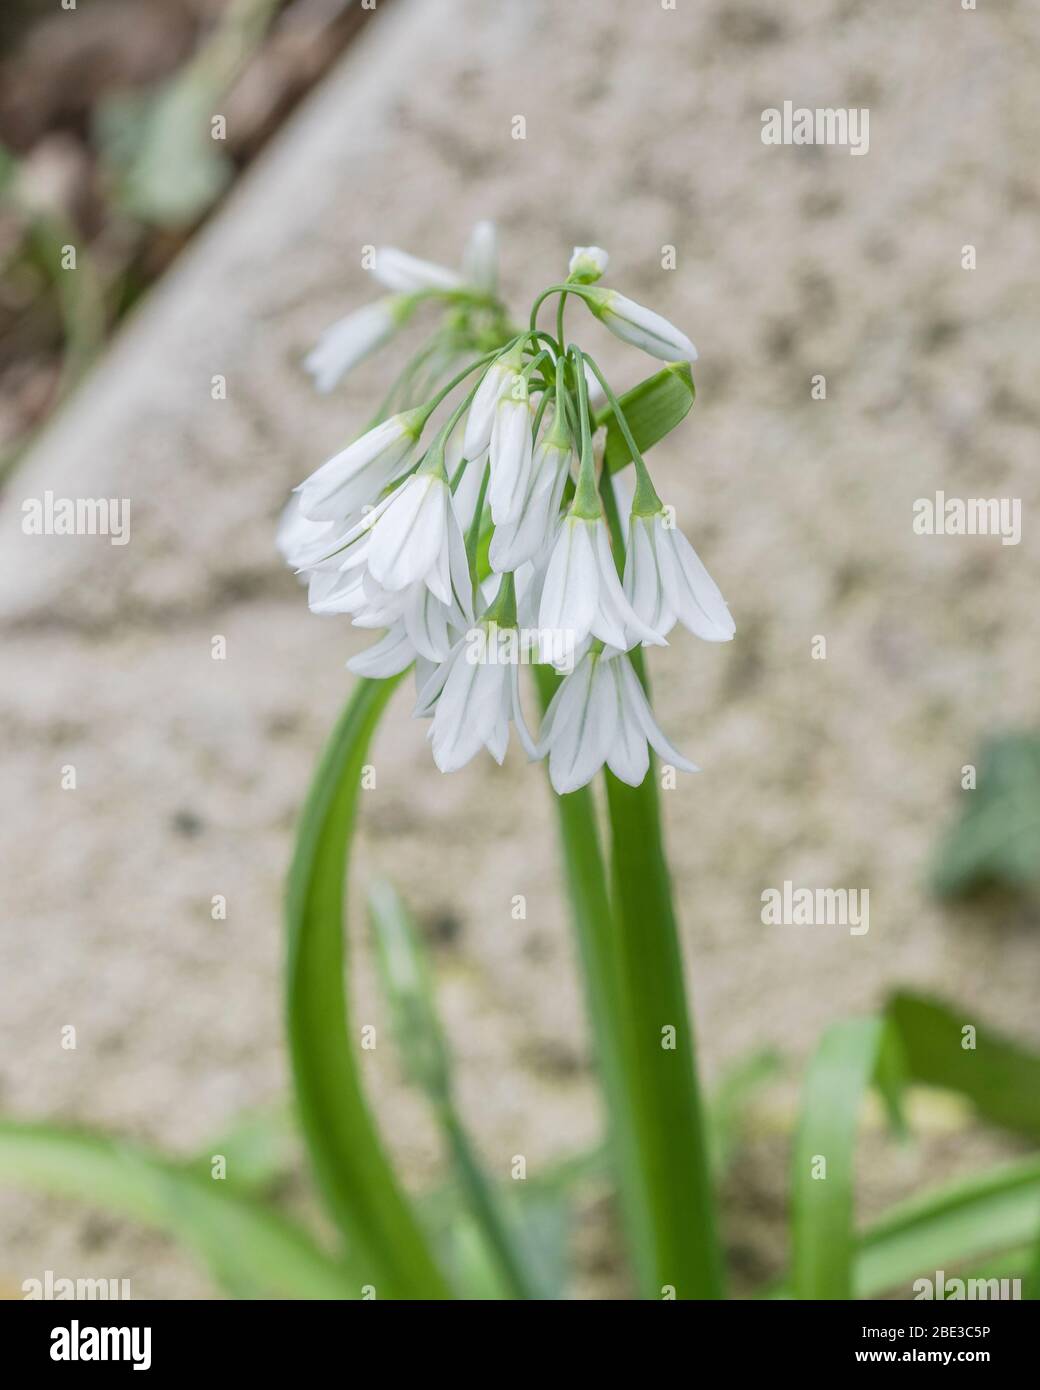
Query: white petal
[[694, 594], [480, 420], [617, 623], [397, 270], [408, 537], [640, 710], [342, 346], [426, 621], [466, 712], [627, 756], [388, 657], [480, 258], [644, 584], [511, 454], [516, 710], [357, 474], [571, 591], [643, 328], [580, 731]]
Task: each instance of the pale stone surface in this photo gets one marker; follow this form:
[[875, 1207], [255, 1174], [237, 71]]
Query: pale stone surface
[[642, 131]]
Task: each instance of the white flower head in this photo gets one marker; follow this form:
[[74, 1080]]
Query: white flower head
[[582, 594], [600, 714], [588, 263], [342, 346], [635, 324], [666, 581]]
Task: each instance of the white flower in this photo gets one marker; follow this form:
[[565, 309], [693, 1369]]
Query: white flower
[[480, 258], [582, 594], [513, 542], [409, 537], [474, 696], [480, 419], [665, 580], [399, 271], [359, 473], [588, 263], [511, 451], [392, 654], [640, 326], [298, 538], [342, 346], [600, 714]]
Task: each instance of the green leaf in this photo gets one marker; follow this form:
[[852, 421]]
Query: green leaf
[[822, 1230], [964, 1221], [730, 1099], [349, 1161], [252, 1251], [424, 1049], [408, 988], [996, 842], [1000, 1078], [259, 1149], [652, 409]]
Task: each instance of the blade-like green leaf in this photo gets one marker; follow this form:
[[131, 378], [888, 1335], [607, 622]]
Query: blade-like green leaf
[[939, 1231], [822, 1231], [409, 991], [652, 409], [423, 1046], [252, 1251], [1000, 1078], [349, 1161]]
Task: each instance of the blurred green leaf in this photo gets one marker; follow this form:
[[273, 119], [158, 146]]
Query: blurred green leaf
[[730, 1099], [996, 842], [652, 409], [352, 1168], [965, 1221], [252, 1250], [823, 1237], [168, 168], [259, 1148], [420, 1037], [409, 991], [1000, 1078]]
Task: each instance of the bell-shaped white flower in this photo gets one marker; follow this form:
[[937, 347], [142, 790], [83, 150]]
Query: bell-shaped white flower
[[474, 696], [359, 473], [406, 274], [600, 714], [514, 542], [511, 453], [666, 581], [582, 594], [641, 327], [410, 535], [480, 258], [496, 382], [588, 263], [343, 345]]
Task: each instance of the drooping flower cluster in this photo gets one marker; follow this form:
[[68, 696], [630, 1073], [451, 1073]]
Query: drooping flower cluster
[[478, 525]]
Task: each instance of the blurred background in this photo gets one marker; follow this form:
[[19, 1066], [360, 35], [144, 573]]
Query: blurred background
[[199, 259]]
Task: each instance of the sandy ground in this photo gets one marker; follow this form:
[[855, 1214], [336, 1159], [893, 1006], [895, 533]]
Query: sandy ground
[[643, 130]]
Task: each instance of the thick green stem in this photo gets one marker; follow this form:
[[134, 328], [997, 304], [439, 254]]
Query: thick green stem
[[614, 1047], [668, 1117]]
